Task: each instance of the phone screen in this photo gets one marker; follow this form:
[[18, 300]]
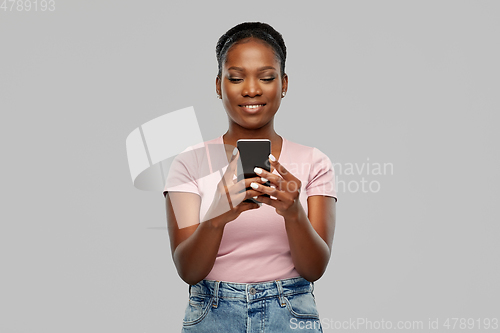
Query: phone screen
[[253, 153]]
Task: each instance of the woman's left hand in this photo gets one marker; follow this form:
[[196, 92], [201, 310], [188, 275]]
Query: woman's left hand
[[286, 190]]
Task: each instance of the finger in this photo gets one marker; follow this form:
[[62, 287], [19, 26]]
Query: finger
[[231, 169], [262, 172], [243, 184], [259, 180], [280, 168], [238, 197], [245, 194], [237, 191], [291, 186], [267, 201], [292, 181], [266, 190], [273, 179]]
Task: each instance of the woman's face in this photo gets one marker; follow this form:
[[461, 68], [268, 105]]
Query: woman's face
[[251, 84]]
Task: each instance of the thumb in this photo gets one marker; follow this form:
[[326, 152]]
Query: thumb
[[233, 164]]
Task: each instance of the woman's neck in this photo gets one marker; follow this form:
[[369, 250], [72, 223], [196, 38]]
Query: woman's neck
[[233, 135]]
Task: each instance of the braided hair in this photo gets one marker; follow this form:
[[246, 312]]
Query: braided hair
[[262, 31]]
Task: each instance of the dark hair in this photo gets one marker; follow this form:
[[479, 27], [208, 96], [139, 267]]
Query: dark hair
[[262, 31]]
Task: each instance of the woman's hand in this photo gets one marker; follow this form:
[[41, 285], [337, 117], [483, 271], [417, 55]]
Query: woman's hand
[[286, 190], [228, 202]]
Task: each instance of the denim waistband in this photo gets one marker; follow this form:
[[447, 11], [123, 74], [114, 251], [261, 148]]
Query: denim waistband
[[251, 291]]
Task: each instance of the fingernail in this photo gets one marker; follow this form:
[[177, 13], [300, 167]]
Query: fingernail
[[254, 185], [257, 170], [263, 179], [235, 151], [272, 158], [256, 197]]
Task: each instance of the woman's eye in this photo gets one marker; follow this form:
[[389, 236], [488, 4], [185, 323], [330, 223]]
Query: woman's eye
[[232, 79]]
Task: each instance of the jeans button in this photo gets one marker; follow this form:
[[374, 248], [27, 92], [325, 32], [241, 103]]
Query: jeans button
[[253, 291]]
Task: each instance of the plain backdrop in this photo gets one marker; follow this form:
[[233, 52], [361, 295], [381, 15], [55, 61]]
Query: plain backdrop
[[410, 84]]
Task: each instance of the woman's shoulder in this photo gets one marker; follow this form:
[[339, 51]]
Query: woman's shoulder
[[197, 161], [294, 149], [200, 147], [216, 140]]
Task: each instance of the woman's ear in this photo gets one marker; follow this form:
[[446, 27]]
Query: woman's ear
[[284, 83], [218, 86]]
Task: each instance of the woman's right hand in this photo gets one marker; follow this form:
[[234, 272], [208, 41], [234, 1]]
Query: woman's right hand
[[230, 195]]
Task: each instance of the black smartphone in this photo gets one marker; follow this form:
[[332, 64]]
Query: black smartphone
[[253, 153]]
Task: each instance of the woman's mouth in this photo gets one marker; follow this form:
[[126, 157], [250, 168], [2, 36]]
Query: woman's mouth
[[252, 108]]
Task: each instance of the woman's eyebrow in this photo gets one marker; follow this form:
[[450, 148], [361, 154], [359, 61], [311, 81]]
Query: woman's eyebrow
[[266, 67], [242, 70]]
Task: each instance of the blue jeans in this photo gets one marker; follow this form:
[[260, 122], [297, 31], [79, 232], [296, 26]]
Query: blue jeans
[[286, 305]]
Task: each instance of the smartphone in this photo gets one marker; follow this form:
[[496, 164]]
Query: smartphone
[[253, 153]]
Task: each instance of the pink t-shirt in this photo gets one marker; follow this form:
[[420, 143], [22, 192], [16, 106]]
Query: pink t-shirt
[[254, 247]]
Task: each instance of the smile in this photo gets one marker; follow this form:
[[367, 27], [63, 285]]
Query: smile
[[253, 106]]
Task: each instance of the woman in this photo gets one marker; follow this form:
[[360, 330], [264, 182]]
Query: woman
[[251, 267]]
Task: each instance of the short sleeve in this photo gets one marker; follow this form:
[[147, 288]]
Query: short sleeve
[[321, 176], [182, 174]]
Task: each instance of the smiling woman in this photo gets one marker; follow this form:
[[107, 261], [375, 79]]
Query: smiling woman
[[251, 267], [251, 84]]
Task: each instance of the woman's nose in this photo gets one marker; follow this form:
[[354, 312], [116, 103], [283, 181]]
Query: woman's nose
[[251, 88]]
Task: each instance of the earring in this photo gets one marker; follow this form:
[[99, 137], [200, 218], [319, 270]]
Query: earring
[[283, 94], [219, 96]]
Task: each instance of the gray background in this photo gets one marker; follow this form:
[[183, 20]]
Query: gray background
[[414, 84]]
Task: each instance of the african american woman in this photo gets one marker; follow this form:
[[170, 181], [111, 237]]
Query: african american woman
[[251, 266]]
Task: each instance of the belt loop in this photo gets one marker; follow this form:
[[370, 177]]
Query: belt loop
[[216, 294], [280, 293]]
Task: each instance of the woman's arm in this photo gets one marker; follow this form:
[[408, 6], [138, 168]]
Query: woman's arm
[[311, 236], [195, 246]]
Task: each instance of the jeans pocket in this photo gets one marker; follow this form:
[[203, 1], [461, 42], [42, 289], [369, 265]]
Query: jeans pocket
[[197, 309], [302, 306]]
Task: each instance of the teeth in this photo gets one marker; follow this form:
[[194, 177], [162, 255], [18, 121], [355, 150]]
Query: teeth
[[253, 106]]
